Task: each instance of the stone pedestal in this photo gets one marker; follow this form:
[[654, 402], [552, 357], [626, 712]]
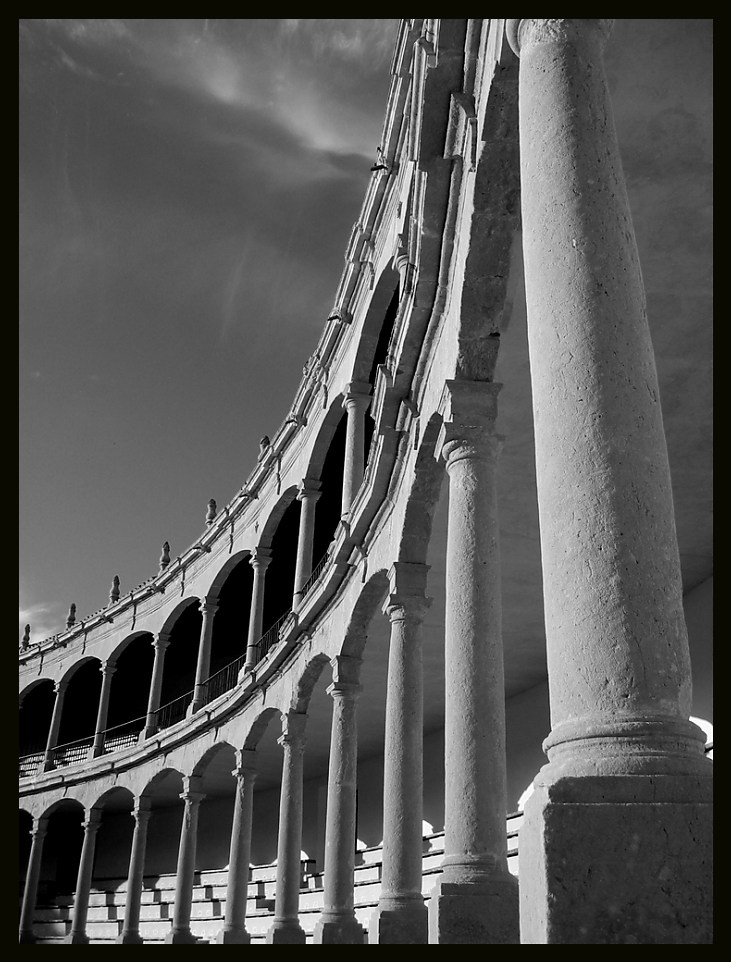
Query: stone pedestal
[[615, 847], [234, 928]]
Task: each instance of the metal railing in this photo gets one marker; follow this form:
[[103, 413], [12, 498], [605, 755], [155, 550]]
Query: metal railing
[[29, 763], [71, 753], [173, 712], [225, 679], [124, 735], [271, 637], [316, 572]]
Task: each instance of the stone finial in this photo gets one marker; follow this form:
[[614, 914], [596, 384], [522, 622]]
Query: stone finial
[[114, 593], [26, 637], [165, 556], [264, 445], [212, 512], [71, 620]]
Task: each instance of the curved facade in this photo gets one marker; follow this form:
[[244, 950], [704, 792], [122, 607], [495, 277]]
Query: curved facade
[[343, 683]]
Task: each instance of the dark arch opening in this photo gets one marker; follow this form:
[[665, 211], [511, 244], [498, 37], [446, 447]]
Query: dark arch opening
[[181, 658], [81, 703], [380, 354], [34, 722], [231, 621], [329, 505], [129, 693], [279, 583], [61, 853], [25, 827], [113, 841]]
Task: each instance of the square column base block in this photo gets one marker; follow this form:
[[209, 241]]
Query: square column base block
[[232, 937], [131, 938], [484, 913], [76, 939], [346, 931], [181, 938], [617, 860], [407, 926], [286, 934], [26, 938]]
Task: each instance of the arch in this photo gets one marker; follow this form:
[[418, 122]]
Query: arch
[[280, 535], [328, 426], [124, 644], [375, 326], [25, 827], [61, 848], [176, 613], [225, 570], [83, 683], [133, 661], [29, 688], [158, 778], [183, 630], [369, 600], [259, 726], [275, 516], [112, 797], [212, 753], [34, 722], [422, 498], [71, 671], [307, 681], [63, 804], [232, 590]]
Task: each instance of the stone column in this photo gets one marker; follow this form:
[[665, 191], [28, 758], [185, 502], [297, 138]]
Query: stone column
[[80, 910], [131, 930], [159, 644], [260, 561], [107, 671], [400, 917], [208, 608], [33, 874], [180, 933], [60, 690], [621, 812], [234, 926], [475, 901], [356, 399], [309, 495], [286, 929], [338, 925]]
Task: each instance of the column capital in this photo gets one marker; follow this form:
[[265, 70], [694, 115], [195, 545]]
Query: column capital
[[40, 827], [247, 764], [142, 806], [469, 412], [346, 670], [524, 33], [260, 558], [93, 820], [309, 490], [191, 789], [161, 640], [60, 686], [357, 394], [407, 597], [208, 606], [293, 730], [107, 669]]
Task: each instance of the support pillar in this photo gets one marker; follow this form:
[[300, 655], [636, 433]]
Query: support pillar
[[107, 671], [33, 874], [286, 929], [308, 495], [356, 399], [159, 645], [338, 925], [208, 608], [260, 561], [400, 917], [80, 910], [621, 813], [180, 933], [131, 929], [60, 691], [475, 901], [234, 926]]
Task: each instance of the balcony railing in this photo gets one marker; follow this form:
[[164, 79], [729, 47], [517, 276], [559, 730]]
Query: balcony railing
[[316, 572], [124, 735], [225, 679], [271, 637], [29, 763], [173, 712], [71, 752]]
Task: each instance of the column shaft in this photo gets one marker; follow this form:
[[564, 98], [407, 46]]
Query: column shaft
[[400, 917], [180, 933], [308, 496], [203, 664], [80, 910], [101, 718], [33, 874], [234, 928], [55, 727], [260, 560], [131, 930], [338, 925], [286, 929], [160, 645], [356, 401]]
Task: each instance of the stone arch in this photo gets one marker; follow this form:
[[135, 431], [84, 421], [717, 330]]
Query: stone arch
[[162, 795], [119, 649], [79, 663], [182, 628], [367, 354], [157, 778], [177, 611], [423, 497], [35, 710], [307, 681], [61, 848], [132, 660], [231, 590], [259, 726], [113, 844], [209, 755], [82, 685], [275, 516], [224, 571], [328, 426], [279, 536], [25, 827], [111, 798], [29, 688], [369, 600]]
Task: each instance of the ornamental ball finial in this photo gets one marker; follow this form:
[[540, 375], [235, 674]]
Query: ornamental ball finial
[[71, 620], [26, 637], [165, 556], [114, 593], [212, 511]]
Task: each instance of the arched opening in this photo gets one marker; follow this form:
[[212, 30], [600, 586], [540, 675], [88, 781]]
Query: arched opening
[[25, 827], [231, 621], [328, 509], [78, 715], [380, 354], [60, 861], [111, 861], [181, 657], [279, 583], [161, 853], [34, 723], [129, 693], [215, 817]]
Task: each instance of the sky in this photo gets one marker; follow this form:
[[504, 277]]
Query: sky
[[187, 190]]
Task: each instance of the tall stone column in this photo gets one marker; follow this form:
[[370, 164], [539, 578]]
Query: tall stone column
[[60, 691], [180, 933], [475, 901], [32, 875], [208, 608], [130, 934], [107, 671], [337, 924], [356, 399], [400, 917], [308, 495], [286, 929], [260, 561], [159, 644], [80, 910], [622, 811], [234, 926]]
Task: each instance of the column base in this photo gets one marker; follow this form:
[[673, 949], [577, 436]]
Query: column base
[[130, 938], [286, 933], [339, 930], [475, 913], [404, 924], [26, 938], [232, 937], [181, 938], [617, 860], [76, 938]]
